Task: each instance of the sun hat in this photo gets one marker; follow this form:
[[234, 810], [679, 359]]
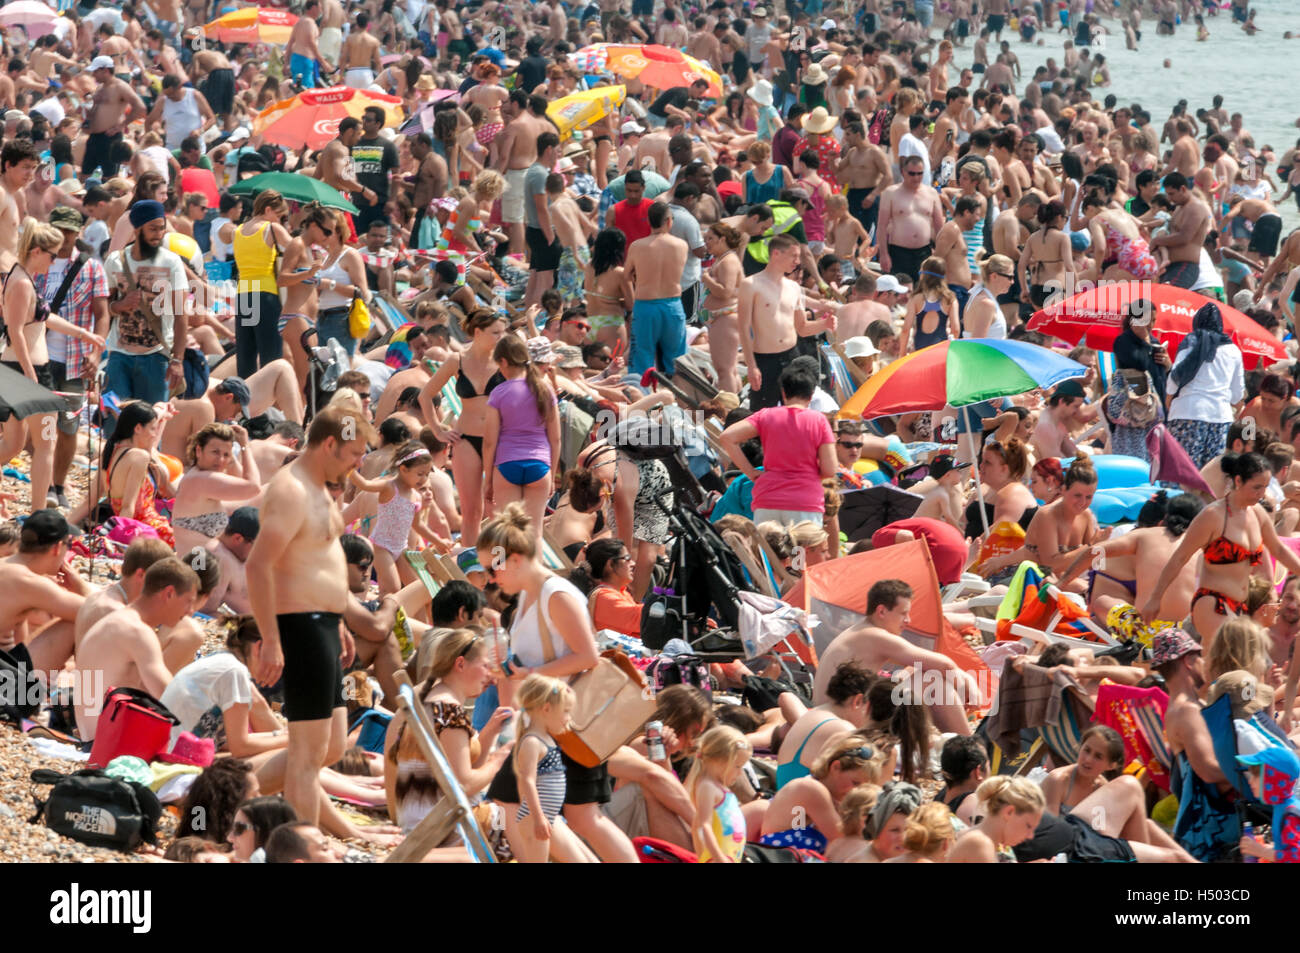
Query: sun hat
[[540, 350], [759, 13], [66, 219], [575, 149], [1171, 645], [819, 121], [566, 355], [190, 749], [860, 346], [566, 165], [815, 76], [761, 92], [425, 83]]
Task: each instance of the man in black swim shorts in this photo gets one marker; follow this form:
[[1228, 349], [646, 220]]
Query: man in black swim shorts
[[298, 590]]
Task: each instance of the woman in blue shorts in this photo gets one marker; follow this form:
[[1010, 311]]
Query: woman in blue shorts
[[521, 437]]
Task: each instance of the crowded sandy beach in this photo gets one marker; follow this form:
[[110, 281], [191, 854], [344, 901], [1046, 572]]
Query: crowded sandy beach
[[735, 432]]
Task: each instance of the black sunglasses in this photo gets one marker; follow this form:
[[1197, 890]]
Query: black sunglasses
[[851, 446], [240, 827], [365, 564]]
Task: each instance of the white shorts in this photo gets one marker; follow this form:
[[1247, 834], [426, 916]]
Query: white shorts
[[512, 200], [359, 77], [330, 43], [787, 517]]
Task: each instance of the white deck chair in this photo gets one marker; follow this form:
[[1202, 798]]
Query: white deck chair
[[969, 582]]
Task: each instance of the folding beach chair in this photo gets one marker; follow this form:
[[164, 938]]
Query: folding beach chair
[[453, 811], [842, 383], [553, 555], [1020, 694], [420, 567], [1218, 719], [447, 565], [1035, 609], [761, 579], [1138, 714], [969, 582]]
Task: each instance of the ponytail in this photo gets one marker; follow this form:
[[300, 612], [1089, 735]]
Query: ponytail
[[514, 352]]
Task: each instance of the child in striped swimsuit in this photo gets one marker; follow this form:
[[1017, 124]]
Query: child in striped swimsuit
[[545, 705]]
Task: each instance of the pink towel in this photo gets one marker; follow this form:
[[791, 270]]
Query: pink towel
[[1170, 462]]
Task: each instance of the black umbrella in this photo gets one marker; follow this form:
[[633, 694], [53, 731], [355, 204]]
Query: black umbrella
[[867, 510], [21, 396]]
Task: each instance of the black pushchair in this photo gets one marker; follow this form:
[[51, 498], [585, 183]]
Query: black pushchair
[[705, 577]]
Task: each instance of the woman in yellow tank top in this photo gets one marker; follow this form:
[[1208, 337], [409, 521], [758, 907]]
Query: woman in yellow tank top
[[256, 245]]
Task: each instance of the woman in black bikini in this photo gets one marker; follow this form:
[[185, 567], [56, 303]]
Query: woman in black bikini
[[1233, 534], [476, 376], [26, 319], [1048, 257]]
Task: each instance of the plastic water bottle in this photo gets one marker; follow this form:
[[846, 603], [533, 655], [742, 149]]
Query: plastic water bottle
[[1248, 830]]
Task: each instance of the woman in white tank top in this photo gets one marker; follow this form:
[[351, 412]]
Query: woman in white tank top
[[559, 642]]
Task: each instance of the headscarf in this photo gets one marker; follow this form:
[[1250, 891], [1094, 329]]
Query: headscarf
[[1134, 353], [898, 797], [146, 211], [1205, 340]]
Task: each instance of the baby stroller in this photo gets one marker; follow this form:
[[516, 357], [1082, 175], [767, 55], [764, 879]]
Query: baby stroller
[[705, 577]]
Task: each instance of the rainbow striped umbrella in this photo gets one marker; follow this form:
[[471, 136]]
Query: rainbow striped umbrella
[[957, 373]]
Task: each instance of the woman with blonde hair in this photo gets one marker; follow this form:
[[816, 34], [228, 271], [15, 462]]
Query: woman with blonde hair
[[550, 634], [1013, 808], [198, 513], [805, 813], [341, 278], [1239, 644], [928, 836], [27, 317], [852, 846], [464, 223], [765, 181], [462, 668], [984, 317], [257, 245]]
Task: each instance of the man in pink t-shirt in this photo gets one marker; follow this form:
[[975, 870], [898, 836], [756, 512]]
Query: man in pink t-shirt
[[798, 451]]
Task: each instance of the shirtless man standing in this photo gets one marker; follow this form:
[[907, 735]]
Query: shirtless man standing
[[771, 319], [516, 153], [950, 245], [39, 582], [911, 213], [862, 309], [215, 78], [306, 62], [654, 270], [330, 42], [123, 647], [360, 57], [18, 162], [298, 588], [878, 643], [430, 179], [1191, 223], [862, 169], [334, 167], [114, 105]]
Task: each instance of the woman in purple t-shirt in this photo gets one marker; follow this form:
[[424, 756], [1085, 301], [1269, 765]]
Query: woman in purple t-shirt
[[521, 439], [798, 450]]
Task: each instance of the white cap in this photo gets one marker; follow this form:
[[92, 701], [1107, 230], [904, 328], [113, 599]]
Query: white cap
[[860, 347], [632, 126], [101, 62], [239, 135], [828, 24], [889, 283]]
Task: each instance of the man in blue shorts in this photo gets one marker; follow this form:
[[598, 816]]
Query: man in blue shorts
[[655, 265]]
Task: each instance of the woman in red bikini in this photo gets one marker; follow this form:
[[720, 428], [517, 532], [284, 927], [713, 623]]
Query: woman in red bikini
[[1232, 533]]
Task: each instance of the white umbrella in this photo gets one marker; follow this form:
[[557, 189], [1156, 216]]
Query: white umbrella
[[35, 17]]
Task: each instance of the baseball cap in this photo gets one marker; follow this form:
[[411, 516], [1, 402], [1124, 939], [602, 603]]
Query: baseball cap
[[889, 283], [101, 62], [828, 24], [468, 562], [1171, 645], [860, 346], [1274, 756], [238, 389], [65, 218], [45, 527], [631, 126], [944, 464], [239, 135], [245, 521]]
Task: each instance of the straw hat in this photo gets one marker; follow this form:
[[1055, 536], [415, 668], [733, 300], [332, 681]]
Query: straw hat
[[815, 75], [761, 92], [819, 121], [425, 83]]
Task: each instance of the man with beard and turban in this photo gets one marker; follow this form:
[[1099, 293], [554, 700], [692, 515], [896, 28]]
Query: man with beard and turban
[[146, 341]]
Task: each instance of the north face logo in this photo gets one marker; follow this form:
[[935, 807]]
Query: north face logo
[[94, 820]]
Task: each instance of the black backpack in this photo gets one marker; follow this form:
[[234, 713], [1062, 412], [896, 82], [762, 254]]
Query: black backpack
[[98, 810], [22, 686]]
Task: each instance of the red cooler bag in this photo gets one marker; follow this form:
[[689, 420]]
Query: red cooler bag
[[132, 722]]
